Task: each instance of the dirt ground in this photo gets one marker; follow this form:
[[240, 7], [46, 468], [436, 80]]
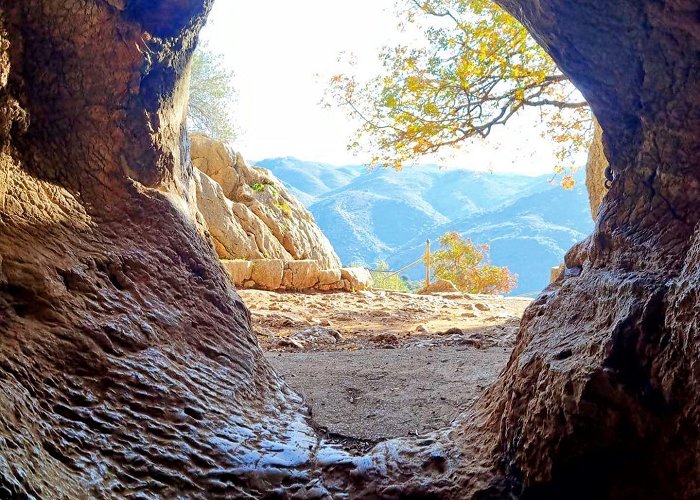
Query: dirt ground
[[375, 365]]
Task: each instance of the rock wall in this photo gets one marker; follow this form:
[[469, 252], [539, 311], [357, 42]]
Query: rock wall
[[592, 401], [249, 213], [296, 275], [595, 171], [127, 362]]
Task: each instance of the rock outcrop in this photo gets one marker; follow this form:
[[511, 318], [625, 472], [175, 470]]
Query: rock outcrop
[[438, 286], [358, 278], [595, 171], [249, 213], [127, 362], [294, 275]]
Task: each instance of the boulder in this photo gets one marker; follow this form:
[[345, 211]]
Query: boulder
[[240, 271], [439, 285], [329, 277], [300, 274], [357, 278], [268, 273]]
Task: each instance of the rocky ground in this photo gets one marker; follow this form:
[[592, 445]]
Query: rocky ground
[[375, 365]]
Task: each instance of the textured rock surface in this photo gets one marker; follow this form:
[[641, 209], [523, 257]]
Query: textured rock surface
[[240, 271], [301, 274], [127, 363], [592, 401], [595, 171], [257, 217], [329, 276], [358, 278], [234, 230], [267, 273]]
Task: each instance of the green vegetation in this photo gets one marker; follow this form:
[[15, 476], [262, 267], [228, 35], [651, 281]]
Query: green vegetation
[[478, 68], [211, 96], [385, 280], [284, 207], [257, 187], [466, 265]]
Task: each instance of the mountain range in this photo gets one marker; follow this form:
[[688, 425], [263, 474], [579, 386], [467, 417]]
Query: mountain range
[[384, 215]]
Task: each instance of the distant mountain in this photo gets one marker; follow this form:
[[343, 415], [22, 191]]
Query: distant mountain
[[386, 215], [310, 180], [529, 235]]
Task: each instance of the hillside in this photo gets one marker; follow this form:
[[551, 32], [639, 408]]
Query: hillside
[[388, 215], [529, 235], [308, 181]]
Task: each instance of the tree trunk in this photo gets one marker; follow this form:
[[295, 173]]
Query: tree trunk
[[127, 361]]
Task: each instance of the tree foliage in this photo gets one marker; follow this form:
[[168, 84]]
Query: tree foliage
[[384, 279], [466, 265], [477, 69], [211, 96]]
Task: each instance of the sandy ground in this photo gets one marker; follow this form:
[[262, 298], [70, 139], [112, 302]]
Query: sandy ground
[[376, 365]]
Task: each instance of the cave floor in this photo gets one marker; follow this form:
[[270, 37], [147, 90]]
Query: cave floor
[[375, 394], [374, 365]]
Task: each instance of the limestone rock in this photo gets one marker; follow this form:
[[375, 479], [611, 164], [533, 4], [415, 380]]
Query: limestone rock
[[300, 274], [276, 224], [316, 335], [357, 278], [595, 171], [267, 273], [438, 286], [240, 271], [557, 271], [329, 276], [229, 238]]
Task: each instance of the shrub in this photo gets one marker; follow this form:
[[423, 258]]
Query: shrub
[[385, 280], [285, 208], [466, 265]]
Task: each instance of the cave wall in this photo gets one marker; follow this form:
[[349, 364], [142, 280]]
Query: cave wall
[[127, 362], [613, 382]]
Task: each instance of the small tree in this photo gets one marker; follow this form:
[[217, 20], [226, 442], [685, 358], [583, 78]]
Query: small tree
[[211, 96], [466, 265], [384, 280]]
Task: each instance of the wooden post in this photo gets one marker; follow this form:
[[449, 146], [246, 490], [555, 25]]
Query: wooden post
[[427, 264]]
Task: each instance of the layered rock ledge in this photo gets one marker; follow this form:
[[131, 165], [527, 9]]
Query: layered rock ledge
[[296, 275], [248, 211]]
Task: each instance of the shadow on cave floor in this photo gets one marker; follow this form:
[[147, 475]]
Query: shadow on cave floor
[[375, 365]]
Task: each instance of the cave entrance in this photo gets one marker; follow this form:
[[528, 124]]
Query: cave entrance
[[127, 361], [372, 364]]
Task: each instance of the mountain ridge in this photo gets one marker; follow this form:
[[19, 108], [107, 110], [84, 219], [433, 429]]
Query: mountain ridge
[[372, 215]]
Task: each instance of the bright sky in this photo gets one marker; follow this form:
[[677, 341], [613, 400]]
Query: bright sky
[[283, 54]]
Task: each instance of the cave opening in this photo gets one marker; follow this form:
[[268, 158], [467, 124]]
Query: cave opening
[[347, 354]]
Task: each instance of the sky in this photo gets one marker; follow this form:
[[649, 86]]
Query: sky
[[283, 53]]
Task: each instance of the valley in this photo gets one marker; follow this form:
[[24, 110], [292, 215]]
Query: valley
[[528, 223]]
